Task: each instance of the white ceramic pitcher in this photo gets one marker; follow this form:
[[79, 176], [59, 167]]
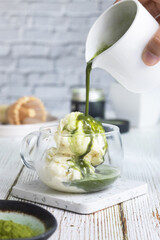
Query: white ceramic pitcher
[[127, 27]]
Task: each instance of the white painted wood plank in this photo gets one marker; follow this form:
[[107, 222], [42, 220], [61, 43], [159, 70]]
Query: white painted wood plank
[[142, 162], [10, 164]]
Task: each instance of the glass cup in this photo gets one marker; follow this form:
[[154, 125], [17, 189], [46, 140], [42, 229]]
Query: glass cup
[[74, 162]]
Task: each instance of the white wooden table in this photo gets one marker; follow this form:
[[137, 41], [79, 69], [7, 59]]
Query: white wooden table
[[136, 219]]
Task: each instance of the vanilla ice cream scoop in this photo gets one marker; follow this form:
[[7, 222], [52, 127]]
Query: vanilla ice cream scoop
[[80, 146], [86, 142]]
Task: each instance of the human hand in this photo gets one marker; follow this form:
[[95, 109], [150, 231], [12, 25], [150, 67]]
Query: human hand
[[151, 53]]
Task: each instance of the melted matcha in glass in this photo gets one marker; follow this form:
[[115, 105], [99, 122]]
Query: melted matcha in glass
[[104, 176]]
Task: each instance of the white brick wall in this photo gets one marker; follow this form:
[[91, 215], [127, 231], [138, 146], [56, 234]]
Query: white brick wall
[[42, 47]]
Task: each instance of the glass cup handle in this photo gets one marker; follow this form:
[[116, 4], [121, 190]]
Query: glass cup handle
[[27, 147]]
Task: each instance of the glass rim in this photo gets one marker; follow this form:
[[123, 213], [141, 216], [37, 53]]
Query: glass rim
[[113, 129]]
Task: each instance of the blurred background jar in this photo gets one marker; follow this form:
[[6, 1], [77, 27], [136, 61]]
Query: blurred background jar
[[96, 101]]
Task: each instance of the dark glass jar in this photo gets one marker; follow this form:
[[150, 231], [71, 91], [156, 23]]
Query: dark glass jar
[[96, 101]]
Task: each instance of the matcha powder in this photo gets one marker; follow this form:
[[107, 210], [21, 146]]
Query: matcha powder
[[10, 230]]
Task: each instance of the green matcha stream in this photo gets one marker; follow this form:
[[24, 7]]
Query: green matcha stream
[[102, 175], [88, 72], [81, 152]]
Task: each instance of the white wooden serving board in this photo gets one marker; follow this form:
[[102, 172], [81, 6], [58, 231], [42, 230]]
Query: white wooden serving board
[[122, 190]]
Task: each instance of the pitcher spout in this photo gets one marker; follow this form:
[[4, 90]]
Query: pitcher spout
[[100, 62]]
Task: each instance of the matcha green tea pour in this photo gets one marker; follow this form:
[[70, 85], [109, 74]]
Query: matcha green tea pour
[[115, 43]]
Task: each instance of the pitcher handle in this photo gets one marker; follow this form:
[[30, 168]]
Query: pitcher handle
[[27, 147]]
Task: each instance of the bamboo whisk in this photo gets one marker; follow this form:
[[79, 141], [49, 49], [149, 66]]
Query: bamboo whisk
[[26, 110]]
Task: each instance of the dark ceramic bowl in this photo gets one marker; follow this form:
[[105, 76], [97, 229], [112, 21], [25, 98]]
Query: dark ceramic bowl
[[31, 215]]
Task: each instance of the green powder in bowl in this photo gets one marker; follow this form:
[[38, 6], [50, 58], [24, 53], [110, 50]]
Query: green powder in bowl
[[10, 230], [22, 220]]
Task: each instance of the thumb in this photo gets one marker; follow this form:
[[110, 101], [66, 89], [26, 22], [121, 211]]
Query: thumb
[[151, 53]]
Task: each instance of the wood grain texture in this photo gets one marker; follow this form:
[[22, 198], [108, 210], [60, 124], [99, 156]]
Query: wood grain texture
[[142, 162], [137, 219], [10, 165]]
